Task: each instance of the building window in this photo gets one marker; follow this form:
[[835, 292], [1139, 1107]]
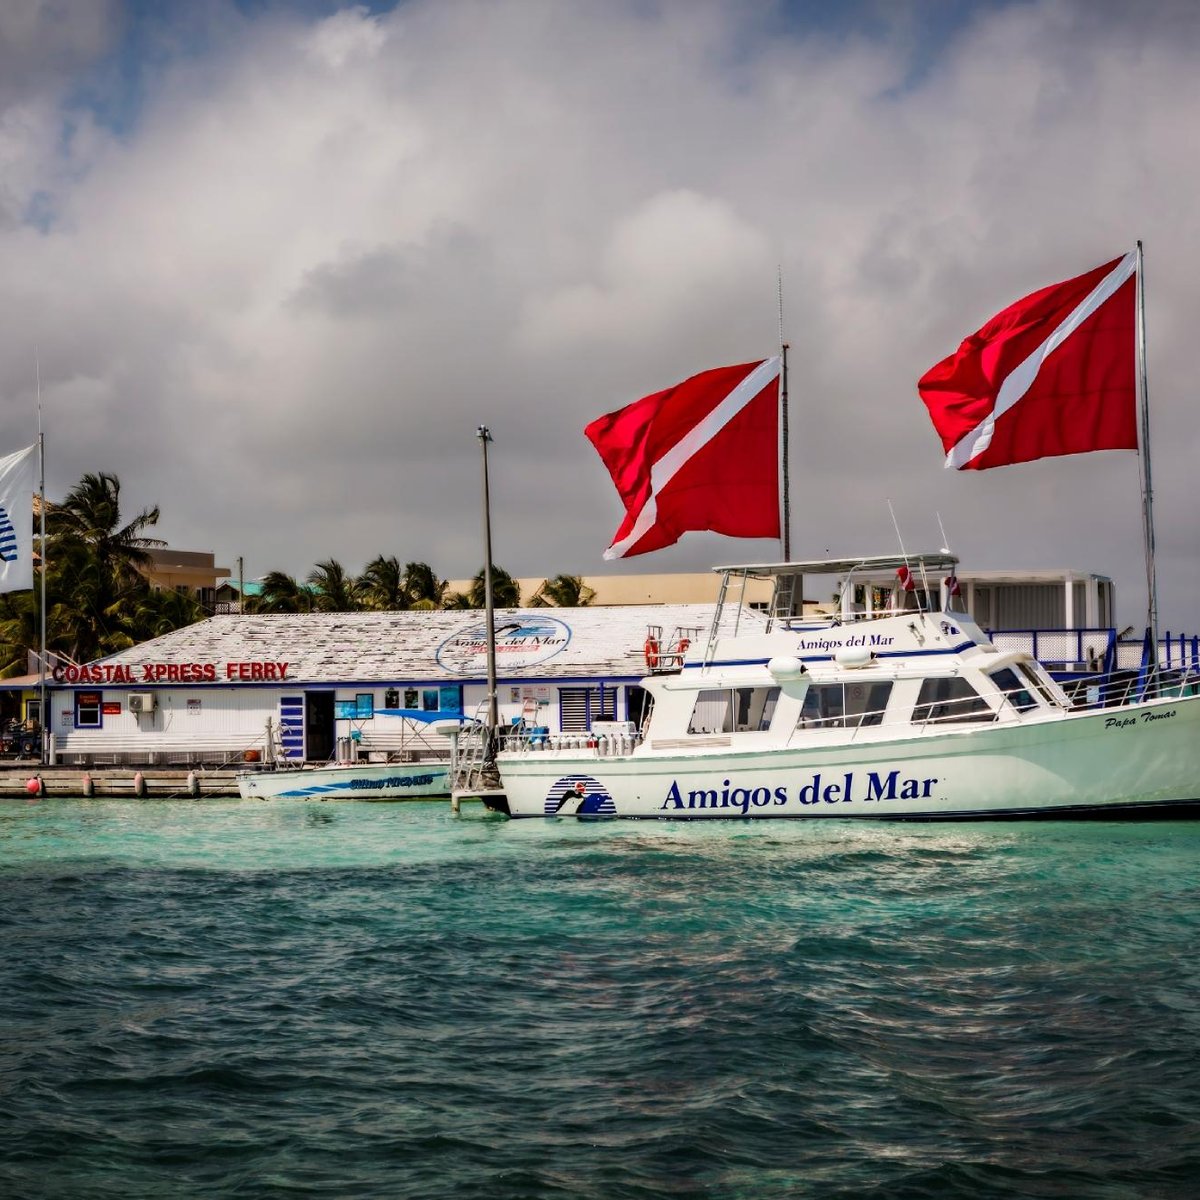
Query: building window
[[364, 706], [579, 707], [88, 710]]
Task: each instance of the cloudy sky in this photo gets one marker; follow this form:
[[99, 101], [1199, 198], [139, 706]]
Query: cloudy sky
[[277, 261]]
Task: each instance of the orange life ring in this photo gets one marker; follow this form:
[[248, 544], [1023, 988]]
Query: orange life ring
[[682, 648], [651, 652]]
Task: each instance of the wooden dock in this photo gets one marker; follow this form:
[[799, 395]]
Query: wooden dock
[[152, 783]]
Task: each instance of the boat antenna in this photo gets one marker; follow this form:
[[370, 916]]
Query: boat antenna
[[904, 554], [945, 539]]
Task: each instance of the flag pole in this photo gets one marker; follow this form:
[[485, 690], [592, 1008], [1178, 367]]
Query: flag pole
[[785, 516], [1144, 457], [43, 736]]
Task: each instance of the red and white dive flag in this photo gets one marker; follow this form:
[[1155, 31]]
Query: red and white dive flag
[[701, 455], [1054, 373], [16, 523]]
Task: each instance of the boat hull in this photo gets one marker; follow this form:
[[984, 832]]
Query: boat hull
[[1135, 759], [349, 781]]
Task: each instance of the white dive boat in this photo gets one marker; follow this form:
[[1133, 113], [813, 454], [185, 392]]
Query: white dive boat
[[348, 781], [896, 713]]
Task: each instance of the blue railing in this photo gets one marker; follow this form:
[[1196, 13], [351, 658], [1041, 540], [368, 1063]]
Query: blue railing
[[1107, 670], [1063, 650], [1095, 650]]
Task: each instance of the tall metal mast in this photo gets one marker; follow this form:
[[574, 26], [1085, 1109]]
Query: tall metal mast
[[485, 436], [785, 496], [43, 715]]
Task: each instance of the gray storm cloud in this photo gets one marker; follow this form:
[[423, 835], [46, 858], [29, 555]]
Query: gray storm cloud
[[279, 292]]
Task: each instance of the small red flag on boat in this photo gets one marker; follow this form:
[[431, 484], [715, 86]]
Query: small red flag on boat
[[1053, 374], [952, 587], [905, 576], [703, 454]]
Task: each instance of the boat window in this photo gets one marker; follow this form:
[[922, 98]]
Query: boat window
[[950, 699], [1014, 688], [733, 710], [755, 708], [837, 705], [1039, 684]]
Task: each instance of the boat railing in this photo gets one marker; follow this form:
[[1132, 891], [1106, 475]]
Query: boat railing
[[605, 738], [1120, 688], [665, 655]]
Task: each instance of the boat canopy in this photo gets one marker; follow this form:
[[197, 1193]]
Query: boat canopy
[[870, 563], [787, 600]]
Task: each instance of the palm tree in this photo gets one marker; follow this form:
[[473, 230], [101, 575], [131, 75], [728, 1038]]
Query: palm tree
[[335, 591], [96, 564], [506, 591], [383, 585], [425, 590], [163, 610], [19, 631], [563, 591], [280, 593]]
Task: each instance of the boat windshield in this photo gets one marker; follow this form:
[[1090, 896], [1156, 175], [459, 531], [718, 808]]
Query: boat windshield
[[1019, 695]]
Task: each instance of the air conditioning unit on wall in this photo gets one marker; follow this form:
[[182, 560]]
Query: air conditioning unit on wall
[[141, 702]]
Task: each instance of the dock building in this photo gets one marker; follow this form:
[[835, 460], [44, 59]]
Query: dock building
[[309, 687]]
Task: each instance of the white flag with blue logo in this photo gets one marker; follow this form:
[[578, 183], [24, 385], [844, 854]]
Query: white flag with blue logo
[[16, 520]]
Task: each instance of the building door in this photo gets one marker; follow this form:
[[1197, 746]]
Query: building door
[[319, 731], [291, 726], [637, 702]]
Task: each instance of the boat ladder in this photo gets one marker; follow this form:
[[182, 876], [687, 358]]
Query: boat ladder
[[473, 772]]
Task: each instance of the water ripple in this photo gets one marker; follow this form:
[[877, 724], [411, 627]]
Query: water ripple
[[371, 1000]]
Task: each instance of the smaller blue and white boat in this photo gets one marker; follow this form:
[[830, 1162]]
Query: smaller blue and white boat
[[348, 781]]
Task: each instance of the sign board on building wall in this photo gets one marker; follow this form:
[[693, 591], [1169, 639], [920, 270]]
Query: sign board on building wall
[[116, 674], [519, 644]]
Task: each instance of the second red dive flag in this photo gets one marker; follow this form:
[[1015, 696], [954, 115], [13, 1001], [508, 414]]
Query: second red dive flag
[[703, 454], [1053, 374]]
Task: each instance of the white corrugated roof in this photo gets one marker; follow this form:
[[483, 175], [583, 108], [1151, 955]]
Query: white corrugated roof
[[427, 646]]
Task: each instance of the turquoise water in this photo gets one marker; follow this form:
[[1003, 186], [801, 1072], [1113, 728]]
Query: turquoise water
[[205, 998]]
